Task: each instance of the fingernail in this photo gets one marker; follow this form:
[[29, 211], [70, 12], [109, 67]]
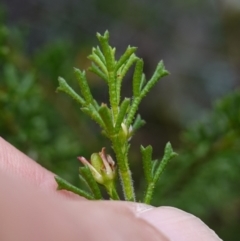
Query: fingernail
[[141, 208], [177, 225]]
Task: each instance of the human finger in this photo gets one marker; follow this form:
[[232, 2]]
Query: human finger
[[178, 225], [28, 213], [15, 163]]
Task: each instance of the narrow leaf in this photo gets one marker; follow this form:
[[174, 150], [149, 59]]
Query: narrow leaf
[[143, 81], [147, 162], [122, 113], [105, 113], [98, 72], [99, 53], [88, 177], [106, 50], [134, 107], [96, 105], [63, 86], [129, 51], [168, 155], [91, 111], [138, 123], [99, 63], [155, 165], [128, 65], [137, 77], [159, 73], [64, 185], [82, 81]]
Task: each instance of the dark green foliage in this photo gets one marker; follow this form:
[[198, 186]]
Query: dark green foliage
[[204, 179], [28, 119]]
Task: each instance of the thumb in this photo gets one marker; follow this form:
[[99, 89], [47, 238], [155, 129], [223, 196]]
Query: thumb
[[28, 213], [178, 225]]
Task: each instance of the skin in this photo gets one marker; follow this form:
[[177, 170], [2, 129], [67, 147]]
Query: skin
[[32, 209]]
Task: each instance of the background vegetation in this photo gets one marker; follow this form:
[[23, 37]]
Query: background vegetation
[[199, 43]]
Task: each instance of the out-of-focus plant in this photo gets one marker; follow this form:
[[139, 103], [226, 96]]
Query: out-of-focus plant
[[204, 179], [28, 119]]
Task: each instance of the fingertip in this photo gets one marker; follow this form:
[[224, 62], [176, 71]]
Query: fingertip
[[178, 225]]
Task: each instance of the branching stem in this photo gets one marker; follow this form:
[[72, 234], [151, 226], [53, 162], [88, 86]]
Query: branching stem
[[118, 122]]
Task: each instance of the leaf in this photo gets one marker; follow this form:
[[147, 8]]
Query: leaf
[[92, 184], [82, 81], [138, 123], [129, 51], [159, 73], [63, 86], [137, 77], [64, 185], [168, 155], [121, 114], [105, 113], [147, 162]]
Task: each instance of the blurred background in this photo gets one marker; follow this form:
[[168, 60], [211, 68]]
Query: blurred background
[[196, 108]]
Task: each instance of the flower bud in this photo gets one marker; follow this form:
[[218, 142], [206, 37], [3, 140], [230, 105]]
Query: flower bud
[[96, 175], [126, 132], [96, 162], [101, 166]]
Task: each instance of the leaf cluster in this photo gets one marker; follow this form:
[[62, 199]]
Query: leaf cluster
[[119, 121]]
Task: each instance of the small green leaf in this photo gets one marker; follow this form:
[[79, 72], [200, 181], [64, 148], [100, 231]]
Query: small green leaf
[[94, 69], [133, 109], [64, 185], [168, 155], [137, 77], [122, 113], [129, 51], [138, 123], [159, 73], [105, 113], [107, 51], [155, 165], [143, 81], [63, 86], [99, 53], [147, 162], [92, 184], [99, 63], [95, 105], [92, 112], [104, 36], [128, 65], [82, 81]]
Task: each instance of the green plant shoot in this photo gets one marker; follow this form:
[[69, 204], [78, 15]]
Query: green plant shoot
[[118, 122]]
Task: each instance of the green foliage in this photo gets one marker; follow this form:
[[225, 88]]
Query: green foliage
[[116, 121], [204, 179], [28, 120]]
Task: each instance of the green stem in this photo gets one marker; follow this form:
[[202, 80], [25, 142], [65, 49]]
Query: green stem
[[149, 193], [115, 194], [113, 94], [124, 170], [112, 192]]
